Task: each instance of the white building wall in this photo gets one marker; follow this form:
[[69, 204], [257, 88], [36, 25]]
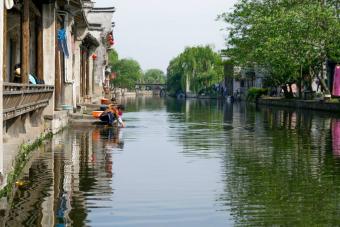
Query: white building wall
[[90, 75], [76, 71], [68, 85], [99, 71], [103, 18], [49, 37], [1, 87]]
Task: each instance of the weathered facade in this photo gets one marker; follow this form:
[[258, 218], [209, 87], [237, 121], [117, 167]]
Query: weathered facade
[[53, 44], [101, 27]]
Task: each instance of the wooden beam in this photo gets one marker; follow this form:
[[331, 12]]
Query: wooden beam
[[35, 9], [40, 52], [25, 39]]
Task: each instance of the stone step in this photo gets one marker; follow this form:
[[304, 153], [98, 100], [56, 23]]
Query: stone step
[[81, 116]]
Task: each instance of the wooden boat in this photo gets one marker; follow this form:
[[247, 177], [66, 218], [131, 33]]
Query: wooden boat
[[96, 114]]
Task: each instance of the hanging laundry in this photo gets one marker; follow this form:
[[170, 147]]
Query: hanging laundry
[[62, 42], [336, 81]]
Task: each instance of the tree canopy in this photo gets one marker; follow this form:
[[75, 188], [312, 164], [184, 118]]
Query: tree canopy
[[195, 69], [113, 57], [291, 39], [128, 73], [154, 76]]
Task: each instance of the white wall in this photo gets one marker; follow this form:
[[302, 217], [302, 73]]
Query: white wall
[[1, 85], [103, 18], [76, 71], [49, 49], [68, 86]]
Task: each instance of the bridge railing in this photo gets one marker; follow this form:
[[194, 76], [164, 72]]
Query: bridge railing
[[19, 99]]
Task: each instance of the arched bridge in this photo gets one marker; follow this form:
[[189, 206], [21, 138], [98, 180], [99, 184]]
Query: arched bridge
[[154, 88]]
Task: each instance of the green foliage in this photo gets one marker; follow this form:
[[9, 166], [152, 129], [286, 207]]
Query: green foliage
[[255, 93], [154, 76], [128, 73], [113, 57], [199, 66], [174, 77], [287, 38]]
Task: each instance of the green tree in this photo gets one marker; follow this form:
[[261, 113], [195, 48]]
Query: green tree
[[291, 39], [128, 73], [154, 76], [196, 69], [113, 57]]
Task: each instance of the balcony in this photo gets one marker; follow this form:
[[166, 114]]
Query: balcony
[[19, 99]]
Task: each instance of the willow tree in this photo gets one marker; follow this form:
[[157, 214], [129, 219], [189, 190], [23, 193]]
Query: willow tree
[[154, 76], [195, 69], [291, 39]]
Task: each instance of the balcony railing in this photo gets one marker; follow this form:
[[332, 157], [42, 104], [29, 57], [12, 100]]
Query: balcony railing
[[19, 99]]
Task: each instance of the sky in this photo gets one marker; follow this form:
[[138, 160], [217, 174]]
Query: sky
[[155, 31]]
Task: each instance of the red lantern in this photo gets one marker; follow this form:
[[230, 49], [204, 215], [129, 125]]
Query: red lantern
[[112, 42], [94, 56]]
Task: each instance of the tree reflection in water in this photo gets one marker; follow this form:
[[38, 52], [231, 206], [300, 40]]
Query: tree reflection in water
[[279, 167], [282, 173]]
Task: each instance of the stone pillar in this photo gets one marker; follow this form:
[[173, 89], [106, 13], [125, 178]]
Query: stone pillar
[[99, 69], [68, 85], [91, 77], [76, 71], [1, 86], [49, 37]]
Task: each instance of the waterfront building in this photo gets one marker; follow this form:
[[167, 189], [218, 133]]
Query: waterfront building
[[54, 43]]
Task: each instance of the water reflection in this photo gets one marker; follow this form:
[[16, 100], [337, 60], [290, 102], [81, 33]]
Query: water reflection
[[67, 177], [282, 172], [280, 165], [187, 163], [336, 137]]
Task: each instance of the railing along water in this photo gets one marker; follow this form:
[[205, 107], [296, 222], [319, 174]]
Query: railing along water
[[19, 99]]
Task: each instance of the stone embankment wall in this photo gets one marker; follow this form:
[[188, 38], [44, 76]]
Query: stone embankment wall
[[301, 104]]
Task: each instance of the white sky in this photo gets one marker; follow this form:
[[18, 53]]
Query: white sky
[[155, 31]]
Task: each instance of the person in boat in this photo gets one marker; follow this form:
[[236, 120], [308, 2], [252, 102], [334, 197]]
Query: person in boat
[[112, 115]]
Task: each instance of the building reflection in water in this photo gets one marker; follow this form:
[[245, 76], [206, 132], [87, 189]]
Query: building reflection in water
[[336, 137], [64, 178]]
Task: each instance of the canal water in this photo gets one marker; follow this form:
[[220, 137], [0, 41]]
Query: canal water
[[187, 163]]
